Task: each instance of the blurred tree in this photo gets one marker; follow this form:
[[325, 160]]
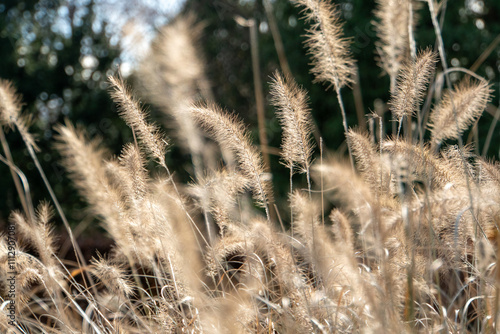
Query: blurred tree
[[58, 56]]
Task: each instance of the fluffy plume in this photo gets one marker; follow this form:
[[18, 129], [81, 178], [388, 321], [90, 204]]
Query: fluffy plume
[[84, 160], [329, 49], [490, 171], [175, 61], [306, 217], [375, 173], [231, 134], [134, 166], [173, 76], [10, 103], [326, 256], [462, 106], [295, 119], [112, 276], [152, 139], [342, 230], [421, 164], [392, 31], [217, 193], [29, 270], [39, 234], [346, 189], [411, 84], [10, 112]]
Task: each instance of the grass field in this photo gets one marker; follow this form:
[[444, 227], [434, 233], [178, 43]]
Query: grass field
[[409, 246]]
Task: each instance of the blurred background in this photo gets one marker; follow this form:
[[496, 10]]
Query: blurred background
[[58, 55]]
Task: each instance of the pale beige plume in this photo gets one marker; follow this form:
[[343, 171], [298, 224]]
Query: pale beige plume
[[458, 109], [295, 119]]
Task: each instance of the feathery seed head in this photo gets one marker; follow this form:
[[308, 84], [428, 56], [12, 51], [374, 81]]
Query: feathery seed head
[[217, 192], [374, 171], [306, 215], [412, 82], [10, 112], [329, 49], [134, 166], [10, 103], [423, 164], [84, 160], [177, 52], [342, 229], [295, 119], [392, 31], [40, 233], [466, 102], [152, 139], [173, 76], [231, 134], [113, 276]]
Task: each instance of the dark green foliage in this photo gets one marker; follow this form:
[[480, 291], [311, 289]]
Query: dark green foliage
[[43, 49]]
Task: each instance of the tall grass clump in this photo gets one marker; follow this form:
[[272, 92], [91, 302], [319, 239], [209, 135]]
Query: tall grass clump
[[409, 242]]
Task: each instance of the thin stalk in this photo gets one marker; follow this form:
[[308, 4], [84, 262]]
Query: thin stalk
[[196, 159], [278, 42], [259, 96], [444, 5], [381, 134], [209, 226], [321, 178], [358, 102], [400, 123], [485, 53], [344, 120], [423, 114], [392, 86], [308, 175], [25, 185], [475, 132], [408, 130], [17, 183], [279, 219], [411, 37], [393, 91], [261, 119], [490, 133]]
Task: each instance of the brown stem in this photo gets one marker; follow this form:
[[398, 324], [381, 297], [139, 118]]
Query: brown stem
[[259, 100], [278, 43]]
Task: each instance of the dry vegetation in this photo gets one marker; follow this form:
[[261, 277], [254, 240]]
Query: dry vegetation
[[410, 246]]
